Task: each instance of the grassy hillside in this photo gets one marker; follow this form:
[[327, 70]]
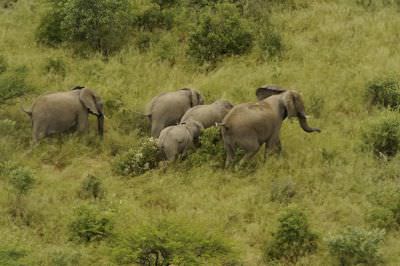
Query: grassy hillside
[[331, 51]]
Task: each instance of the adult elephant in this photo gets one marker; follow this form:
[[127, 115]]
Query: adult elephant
[[208, 114], [167, 109], [250, 125], [62, 111]]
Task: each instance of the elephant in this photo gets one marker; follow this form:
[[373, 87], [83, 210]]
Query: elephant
[[209, 114], [250, 125], [175, 141], [61, 111], [167, 109]]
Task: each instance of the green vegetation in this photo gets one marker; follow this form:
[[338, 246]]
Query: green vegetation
[[68, 201], [292, 240], [357, 246]]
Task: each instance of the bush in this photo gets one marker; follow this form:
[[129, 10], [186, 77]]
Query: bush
[[21, 180], [7, 127], [89, 224], [380, 217], [55, 66], [384, 92], [91, 187], [138, 159], [382, 134], [221, 33], [355, 245], [49, 31], [13, 84], [100, 25], [292, 240], [154, 18], [167, 243], [11, 256], [211, 149]]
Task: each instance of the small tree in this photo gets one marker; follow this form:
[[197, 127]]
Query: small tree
[[221, 33], [292, 240]]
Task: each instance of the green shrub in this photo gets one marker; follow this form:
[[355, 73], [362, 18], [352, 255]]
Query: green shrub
[[3, 64], [380, 217], [154, 18], [13, 84], [388, 207], [382, 134], [49, 31], [92, 187], [138, 159], [384, 92], [221, 33], [55, 66], [90, 224], [21, 180], [211, 150], [100, 25], [356, 246], [167, 243], [292, 240], [165, 3], [11, 256]]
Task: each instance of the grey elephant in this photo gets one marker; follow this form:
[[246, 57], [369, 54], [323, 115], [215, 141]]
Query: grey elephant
[[208, 114], [61, 111], [167, 108], [250, 125], [175, 141]]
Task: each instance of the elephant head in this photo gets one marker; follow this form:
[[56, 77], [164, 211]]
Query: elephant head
[[94, 105], [194, 96], [292, 102]]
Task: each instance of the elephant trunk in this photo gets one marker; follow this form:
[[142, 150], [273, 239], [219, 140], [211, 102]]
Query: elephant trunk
[[100, 124], [304, 125]]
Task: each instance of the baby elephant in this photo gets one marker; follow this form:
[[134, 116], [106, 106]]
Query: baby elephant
[[209, 114], [61, 111], [176, 140]]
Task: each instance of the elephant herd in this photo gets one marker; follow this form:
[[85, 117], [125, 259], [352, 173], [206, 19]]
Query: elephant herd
[[178, 118]]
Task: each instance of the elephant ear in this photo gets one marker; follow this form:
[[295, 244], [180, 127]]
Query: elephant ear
[[195, 97], [293, 103], [267, 91], [88, 99]]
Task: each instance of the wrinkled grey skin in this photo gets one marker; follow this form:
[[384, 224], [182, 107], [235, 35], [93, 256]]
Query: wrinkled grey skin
[[168, 108], [209, 114], [250, 125], [61, 111], [175, 141]]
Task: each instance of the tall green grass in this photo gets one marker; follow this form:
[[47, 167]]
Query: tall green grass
[[332, 52]]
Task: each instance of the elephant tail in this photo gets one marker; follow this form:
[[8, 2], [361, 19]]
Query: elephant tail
[[222, 125]]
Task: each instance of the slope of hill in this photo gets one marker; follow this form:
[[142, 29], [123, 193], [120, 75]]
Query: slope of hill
[[331, 51]]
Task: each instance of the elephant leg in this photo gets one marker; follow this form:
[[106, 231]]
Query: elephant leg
[[38, 132], [230, 154], [83, 122], [272, 146]]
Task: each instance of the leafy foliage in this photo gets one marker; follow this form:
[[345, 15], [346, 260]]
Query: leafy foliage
[[92, 187], [292, 240], [167, 243], [384, 92], [221, 32], [101, 25], [90, 224], [21, 179], [56, 66], [382, 134], [138, 159], [355, 246]]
